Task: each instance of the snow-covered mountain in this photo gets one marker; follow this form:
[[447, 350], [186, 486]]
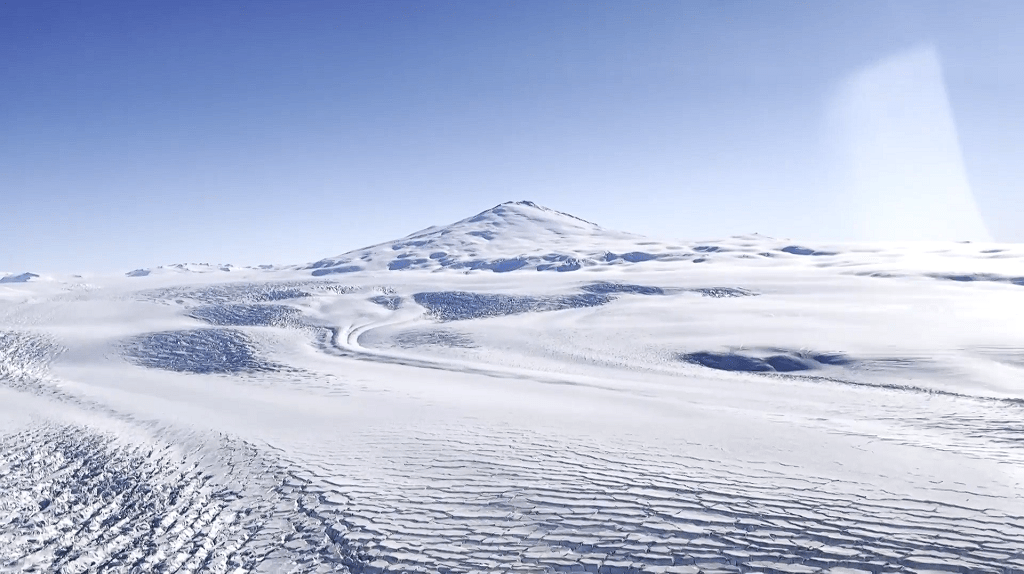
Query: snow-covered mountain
[[517, 235]]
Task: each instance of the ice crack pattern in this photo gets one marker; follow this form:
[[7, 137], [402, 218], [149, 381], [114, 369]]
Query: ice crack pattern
[[467, 503], [73, 500], [77, 501]]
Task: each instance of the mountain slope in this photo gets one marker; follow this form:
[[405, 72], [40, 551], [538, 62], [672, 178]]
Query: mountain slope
[[508, 237]]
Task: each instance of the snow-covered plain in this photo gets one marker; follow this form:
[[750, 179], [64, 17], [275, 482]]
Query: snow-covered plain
[[522, 391]]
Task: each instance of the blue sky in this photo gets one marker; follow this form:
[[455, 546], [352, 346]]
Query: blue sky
[[142, 133]]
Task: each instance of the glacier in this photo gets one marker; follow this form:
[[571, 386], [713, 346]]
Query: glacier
[[522, 391]]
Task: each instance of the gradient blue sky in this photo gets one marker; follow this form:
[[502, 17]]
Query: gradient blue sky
[[141, 133]]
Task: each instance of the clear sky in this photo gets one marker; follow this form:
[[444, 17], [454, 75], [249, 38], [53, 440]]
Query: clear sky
[[141, 133]]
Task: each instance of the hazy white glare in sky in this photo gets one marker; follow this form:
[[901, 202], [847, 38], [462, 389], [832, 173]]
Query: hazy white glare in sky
[[900, 154]]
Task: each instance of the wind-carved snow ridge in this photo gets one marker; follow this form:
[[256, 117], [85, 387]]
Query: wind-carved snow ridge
[[199, 351], [252, 315], [243, 292], [775, 362], [433, 337], [460, 305], [25, 357], [76, 500], [457, 305], [968, 277], [390, 302], [604, 288]]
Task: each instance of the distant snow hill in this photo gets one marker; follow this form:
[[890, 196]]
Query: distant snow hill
[[21, 278], [179, 268], [508, 237]]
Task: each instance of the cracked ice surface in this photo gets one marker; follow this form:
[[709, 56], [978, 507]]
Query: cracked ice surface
[[75, 500]]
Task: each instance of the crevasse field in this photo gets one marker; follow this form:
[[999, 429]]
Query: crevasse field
[[522, 391]]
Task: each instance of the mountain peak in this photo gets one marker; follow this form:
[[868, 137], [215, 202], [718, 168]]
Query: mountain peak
[[509, 236], [515, 220], [523, 202], [528, 208]]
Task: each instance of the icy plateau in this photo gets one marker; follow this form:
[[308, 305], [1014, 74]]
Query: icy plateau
[[522, 391]]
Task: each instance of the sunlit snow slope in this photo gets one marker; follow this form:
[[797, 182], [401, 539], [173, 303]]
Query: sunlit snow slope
[[508, 237], [522, 391]]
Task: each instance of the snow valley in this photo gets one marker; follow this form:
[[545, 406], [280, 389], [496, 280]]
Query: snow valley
[[526, 391]]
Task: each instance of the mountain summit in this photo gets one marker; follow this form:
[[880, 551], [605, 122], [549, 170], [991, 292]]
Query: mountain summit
[[515, 223], [510, 236]]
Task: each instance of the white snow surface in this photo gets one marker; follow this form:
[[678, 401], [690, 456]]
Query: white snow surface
[[742, 405]]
